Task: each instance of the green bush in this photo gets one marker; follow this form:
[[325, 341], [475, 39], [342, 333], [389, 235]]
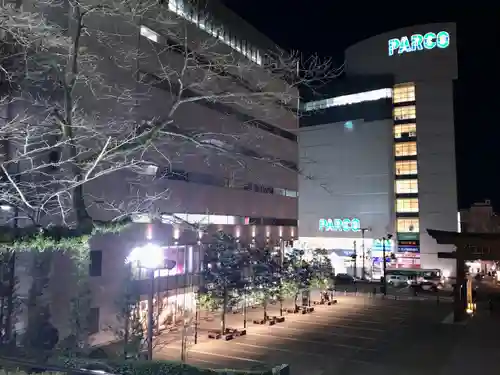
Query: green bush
[[170, 368]]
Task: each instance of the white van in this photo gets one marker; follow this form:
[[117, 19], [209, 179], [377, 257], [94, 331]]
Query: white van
[[398, 280]]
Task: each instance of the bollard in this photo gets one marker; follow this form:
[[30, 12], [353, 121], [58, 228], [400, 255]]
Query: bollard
[[356, 291], [374, 293], [345, 292]]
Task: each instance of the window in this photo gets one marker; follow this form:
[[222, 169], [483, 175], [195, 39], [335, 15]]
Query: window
[[407, 205], [348, 99], [406, 167], [186, 11], [408, 112], [404, 92], [405, 130], [93, 320], [405, 149], [150, 34], [95, 266], [406, 186], [406, 225]]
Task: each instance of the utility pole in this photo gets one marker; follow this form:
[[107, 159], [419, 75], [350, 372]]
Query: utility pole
[[354, 257], [388, 237], [363, 270]]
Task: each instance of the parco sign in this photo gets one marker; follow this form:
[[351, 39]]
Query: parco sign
[[339, 225], [419, 42]]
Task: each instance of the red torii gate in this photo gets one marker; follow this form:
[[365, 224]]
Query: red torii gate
[[469, 246]]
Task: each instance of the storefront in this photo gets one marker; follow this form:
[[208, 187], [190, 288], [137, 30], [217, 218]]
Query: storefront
[[352, 255]]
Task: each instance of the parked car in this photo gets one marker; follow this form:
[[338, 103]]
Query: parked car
[[397, 280], [343, 279]]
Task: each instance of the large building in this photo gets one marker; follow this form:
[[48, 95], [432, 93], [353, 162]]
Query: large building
[[377, 148], [247, 187]]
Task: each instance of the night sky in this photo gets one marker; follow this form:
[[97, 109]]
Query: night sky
[[314, 27]]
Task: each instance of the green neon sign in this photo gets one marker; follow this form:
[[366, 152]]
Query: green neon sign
[[419, 42], [340, 225]]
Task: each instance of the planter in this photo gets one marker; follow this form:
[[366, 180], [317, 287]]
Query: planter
[[228, 337], [215, 335], [279, 319], [271, 322], [332, 302], [293, 311], [259, 321], [241, 332], [322, 302]]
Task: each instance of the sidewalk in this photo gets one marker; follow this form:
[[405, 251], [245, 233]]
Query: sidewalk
[[208, 321], [478, 348]]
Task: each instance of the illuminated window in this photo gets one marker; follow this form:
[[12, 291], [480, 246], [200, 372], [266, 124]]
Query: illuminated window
[[406, 225], [408, 112], [407, 205], [366, 96], [406, 167], [150, 34], [405, 149], [406, 186], [405, 130], [404, 92], [183, 9]]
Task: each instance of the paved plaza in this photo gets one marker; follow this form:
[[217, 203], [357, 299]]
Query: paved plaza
[[360, 335]]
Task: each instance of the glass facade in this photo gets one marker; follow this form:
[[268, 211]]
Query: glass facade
[[406, 186], [348, 99], [405, 132], [407, 225], [408, 112], [403, 93], [405, 149], [404, 205], [406, 167]]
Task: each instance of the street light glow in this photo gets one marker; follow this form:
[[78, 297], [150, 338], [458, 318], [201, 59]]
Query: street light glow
[[149, 256]]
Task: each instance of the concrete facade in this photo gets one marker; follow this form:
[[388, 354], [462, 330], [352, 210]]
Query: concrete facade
[[249, 191], [428, 72]]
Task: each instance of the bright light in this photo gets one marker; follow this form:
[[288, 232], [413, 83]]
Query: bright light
[[446, 274], [361, 97], [149, 256], [177, 233], [5, 207], [150, 34]]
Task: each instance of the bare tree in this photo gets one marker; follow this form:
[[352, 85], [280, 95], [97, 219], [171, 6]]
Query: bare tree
[[79, 83]]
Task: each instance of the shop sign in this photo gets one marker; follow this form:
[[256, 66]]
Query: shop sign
[[408, 249], [408, 243], [419, 42], [408, 236], [408, 255], [340, 225], [378, 244]]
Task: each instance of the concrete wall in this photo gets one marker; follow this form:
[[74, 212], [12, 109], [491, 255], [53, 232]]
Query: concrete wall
[[113, 104], [433, 72], [350, 176]]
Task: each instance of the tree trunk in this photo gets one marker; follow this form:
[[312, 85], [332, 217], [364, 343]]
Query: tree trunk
[[295, 301], [223, 313], [264, 305]]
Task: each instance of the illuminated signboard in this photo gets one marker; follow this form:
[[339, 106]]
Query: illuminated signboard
[[419, 42], [340, 225], [378, 244], [408, 249]]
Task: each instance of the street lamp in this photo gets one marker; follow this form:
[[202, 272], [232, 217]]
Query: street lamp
[[363, 270], [386, 238], [151, 257]]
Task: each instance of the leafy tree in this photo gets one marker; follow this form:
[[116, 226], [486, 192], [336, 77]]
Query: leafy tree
[[223, 273], [297, 274], [265, 275], [322, 270]]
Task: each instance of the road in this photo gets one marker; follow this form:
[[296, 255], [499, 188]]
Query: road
[[360, 335]]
